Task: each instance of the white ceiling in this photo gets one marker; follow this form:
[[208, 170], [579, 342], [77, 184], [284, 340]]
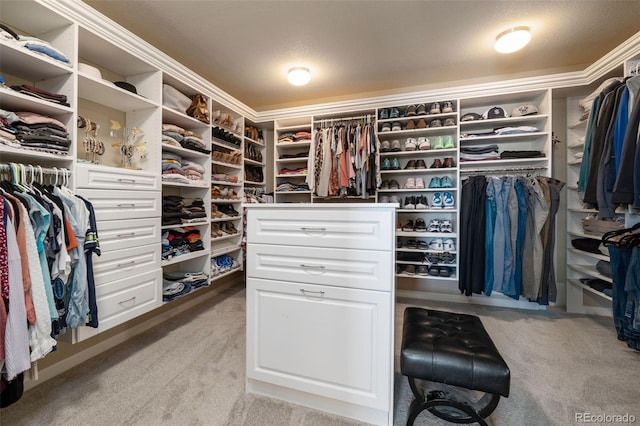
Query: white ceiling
[[367, 48]]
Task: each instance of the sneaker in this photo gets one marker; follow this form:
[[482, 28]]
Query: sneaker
[[410, 144], [449, 162], [433, 258], [384, 184], [436, 182], [410, 125], [395, 164], [386, 127], [435, 123], [386, 164], [445, 271], [421, 202], [450, 122], [448, 142], [410, 183], [424, 144], [421, 124], [448, 245], [410, 270], [423, 270], [420, 164], [385, 146], [420, 226], [438, 143], [419, 183], [447, 107], [411, 244], [446, 182], [434, 271], [395, 145], [393, 184], [409, 203], [436, 244], [436, 201], [445, 226], [435, 108], [421, 109], [434, 225], [384, 199], [411, 165], [384, 114], [394, 113], [437, 164], [396, 126], [408, 225], [395, 199], [411, 111], [448, 200]]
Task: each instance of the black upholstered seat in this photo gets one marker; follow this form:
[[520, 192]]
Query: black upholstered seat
[[454, 349]]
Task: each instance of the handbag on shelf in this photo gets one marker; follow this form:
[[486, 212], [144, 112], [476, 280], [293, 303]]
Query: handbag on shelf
[[198, 108]]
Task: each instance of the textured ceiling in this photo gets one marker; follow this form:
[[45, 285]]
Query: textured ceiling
[[369, 48]]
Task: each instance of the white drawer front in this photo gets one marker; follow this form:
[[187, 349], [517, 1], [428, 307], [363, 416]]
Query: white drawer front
[[327, 341], [96, 177], [111, 205], [120, 234], [128, 298], [118, 264], [371, 270], [339, 228]]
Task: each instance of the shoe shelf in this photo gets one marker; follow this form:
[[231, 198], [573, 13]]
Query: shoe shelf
[[225, 218], [576, 283], [427, 152], [414, 234], [589, 270], [224, 250], [226, 200], [184, 257], [253, 162], [417, 171], [252, 183], [293, 192], [215, 142], [184, 152], [577, 252], [427, 276], [228, 165], [292, 160], [223, 238], [182, 225]]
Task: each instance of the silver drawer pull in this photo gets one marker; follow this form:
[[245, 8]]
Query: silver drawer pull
[[130, 234], [129, 263], [318, 292], [306, 229], [133, 299], [127, 205], [123, 180], [321, 267]]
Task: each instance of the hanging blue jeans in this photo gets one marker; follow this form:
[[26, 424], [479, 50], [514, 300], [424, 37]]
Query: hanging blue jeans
[[490, 216], [522, 194]]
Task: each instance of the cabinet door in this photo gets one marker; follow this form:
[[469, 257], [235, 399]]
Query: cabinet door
[[120, 234], [335, 228], [111, 205], [327, 341], [369, 270]]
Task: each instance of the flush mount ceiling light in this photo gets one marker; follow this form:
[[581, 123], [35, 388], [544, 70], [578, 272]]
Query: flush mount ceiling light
[[512, 39], [299, 76]]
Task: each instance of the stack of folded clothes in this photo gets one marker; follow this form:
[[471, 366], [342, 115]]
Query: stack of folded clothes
[[172, 170], [180, 241], [56, 98], [177, 136], [479, 153], [33, 44], [32, 131], [301, 136], [598, 285], [176, 284], [179, 210], [193, 171], [505, 155]]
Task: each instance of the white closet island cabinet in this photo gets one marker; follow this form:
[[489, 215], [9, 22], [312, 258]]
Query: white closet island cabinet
[[320, 306]]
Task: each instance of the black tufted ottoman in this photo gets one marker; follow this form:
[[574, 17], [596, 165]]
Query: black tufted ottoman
[[456, 350]]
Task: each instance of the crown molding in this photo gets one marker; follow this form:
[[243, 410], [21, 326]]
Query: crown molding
[[101, 25]]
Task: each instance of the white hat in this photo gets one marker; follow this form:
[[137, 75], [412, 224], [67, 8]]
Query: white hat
[[524, 110]]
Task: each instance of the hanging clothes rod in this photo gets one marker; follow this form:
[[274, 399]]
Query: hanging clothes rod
[[339, 119], [503, 170], [6, 167]]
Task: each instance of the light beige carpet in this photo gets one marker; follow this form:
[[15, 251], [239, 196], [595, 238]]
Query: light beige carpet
[[190, 371]]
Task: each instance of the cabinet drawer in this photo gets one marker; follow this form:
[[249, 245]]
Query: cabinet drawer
[[120, 234], [335, 228], [97, 177], [110, 205], [363, 269], [118, 264], [326, 341], [122, 300]]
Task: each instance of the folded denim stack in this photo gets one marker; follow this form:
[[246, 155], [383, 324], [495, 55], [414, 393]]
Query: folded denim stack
[[175, 284]]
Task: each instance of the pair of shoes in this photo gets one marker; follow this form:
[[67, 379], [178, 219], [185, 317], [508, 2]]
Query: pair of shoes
[[443, 142], [440, 271], [449, 162], [435, 108], [440, 225], [410, 144], [393, 164], [424, 144], [411, 164], [435, 123], [410, 183], [420, 164], [417, 226], [439, 244], [396, 126], [447, 107], [435, 182], [444, 200], [437, 164], [415, 164], [441, 182], [384, 185], [421, 202], [393, 184], [449, 122]]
